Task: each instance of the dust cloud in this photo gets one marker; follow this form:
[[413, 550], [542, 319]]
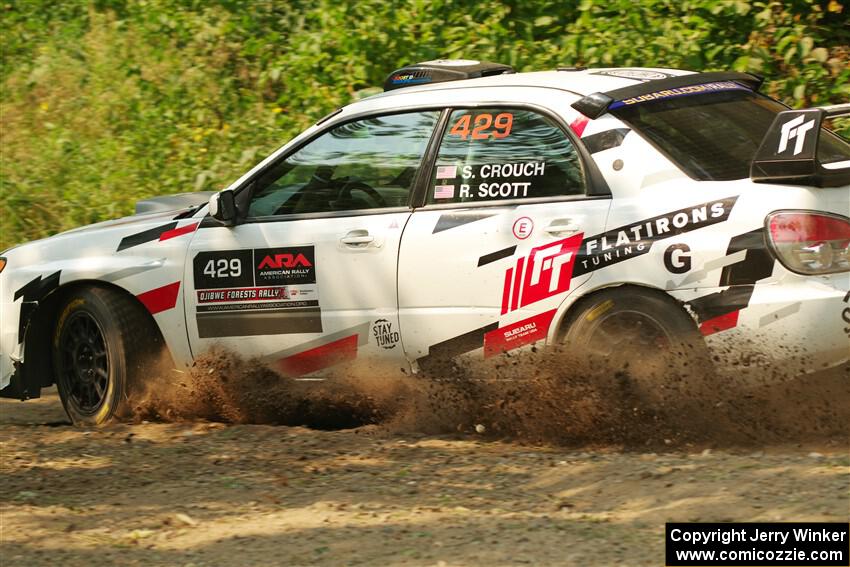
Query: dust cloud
[[543, 396]]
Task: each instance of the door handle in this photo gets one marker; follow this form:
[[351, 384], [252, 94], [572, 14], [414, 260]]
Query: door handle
[[357, 238], [561, 226]]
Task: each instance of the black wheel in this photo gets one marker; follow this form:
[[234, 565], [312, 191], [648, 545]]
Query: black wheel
[[643, 336], [100, 344]]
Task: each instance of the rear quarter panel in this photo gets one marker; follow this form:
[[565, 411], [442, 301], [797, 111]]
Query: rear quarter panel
[[696, 260]]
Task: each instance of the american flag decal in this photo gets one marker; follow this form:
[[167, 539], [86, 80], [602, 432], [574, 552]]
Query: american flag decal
[[447, 172], [444, 191]]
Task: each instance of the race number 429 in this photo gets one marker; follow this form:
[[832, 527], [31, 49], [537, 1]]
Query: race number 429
[[482, 126], [223, 268], [217, 269]]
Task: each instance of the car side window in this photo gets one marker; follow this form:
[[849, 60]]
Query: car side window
[[364, 164], [494, 154]]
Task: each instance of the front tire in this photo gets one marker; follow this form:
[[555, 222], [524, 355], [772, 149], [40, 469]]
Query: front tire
[[100, 345]]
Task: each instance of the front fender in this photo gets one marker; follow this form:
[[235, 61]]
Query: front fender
[[124, 255]]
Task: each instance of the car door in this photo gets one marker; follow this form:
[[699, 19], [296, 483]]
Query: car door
[[308, 279], [492, 254]]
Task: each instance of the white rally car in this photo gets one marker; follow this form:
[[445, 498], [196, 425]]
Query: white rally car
[[468, 210]]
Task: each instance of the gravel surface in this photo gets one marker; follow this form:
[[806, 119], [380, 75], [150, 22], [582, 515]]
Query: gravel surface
[[204, 493]]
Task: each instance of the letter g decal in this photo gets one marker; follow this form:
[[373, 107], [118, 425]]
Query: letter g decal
[[676, 259]]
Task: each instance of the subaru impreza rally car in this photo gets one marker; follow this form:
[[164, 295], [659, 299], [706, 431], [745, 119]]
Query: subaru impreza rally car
[[466, 211]]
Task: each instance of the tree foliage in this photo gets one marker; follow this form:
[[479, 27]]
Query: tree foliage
[[106, 102]]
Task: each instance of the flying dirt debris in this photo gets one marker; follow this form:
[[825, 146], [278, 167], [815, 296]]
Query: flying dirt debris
[[536, 397]]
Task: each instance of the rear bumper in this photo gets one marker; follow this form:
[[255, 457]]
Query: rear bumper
[[798, 325]]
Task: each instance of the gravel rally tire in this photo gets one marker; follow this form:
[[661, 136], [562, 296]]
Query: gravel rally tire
[[101, 343], [641, 335]]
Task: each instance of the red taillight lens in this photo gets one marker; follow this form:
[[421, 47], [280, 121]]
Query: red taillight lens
[[810, 243]]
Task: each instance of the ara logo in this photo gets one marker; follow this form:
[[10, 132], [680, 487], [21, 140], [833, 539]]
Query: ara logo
[[546, 271], [285, 261], [293, 265], [794, 129]]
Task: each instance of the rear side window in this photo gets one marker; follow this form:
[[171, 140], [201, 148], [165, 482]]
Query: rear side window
[[714, 137], [496, 154]]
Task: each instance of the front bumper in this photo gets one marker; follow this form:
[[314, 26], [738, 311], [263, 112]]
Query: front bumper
[[10, 312], [10, 350]]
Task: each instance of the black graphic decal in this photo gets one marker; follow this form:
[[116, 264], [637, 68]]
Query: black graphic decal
[[741, 276], [756, 265], [295, 317], [497, 255], [455, 346], [33, 292], [631, 240], [723, 302], [454, 220], [605, 140], [145, 236]]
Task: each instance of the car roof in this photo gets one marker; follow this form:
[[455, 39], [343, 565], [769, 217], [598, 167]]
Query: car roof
[[579, 81]]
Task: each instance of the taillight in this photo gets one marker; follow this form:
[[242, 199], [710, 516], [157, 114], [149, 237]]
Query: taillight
[[810, 243]]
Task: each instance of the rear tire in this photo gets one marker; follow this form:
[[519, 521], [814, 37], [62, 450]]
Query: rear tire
[[101, 342], [642, 336]]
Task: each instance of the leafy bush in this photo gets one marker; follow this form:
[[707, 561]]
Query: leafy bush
[[106, 102]]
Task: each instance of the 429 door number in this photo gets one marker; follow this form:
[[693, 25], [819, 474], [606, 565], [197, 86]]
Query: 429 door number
[[223, 268]]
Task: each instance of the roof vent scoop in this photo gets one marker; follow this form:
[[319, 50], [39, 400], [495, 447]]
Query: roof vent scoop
[[442, 70]]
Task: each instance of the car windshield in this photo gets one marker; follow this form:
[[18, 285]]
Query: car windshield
[[714, 136]]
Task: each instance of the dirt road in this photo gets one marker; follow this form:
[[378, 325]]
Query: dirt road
[[203, 493]]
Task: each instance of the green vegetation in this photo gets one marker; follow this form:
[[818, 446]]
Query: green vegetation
[[105, 102]]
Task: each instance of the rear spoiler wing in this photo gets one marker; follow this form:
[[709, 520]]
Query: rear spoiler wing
[[788, 153], [595, 105]]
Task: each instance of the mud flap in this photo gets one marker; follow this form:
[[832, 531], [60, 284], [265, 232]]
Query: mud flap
[[19, 387]]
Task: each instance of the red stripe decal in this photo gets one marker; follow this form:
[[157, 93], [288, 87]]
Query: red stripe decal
[[161, 298], [721, 323], [175, 232], [518, 334], [517, 284], [320, 357], [579, 124], [506, 290]]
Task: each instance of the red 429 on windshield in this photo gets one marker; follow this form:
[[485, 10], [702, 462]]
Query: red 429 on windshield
[[483, 126]]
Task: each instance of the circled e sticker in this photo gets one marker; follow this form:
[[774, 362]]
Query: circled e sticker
[[522, 227]]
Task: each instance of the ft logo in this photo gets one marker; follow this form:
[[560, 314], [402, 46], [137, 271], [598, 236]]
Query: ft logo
[[546, 271], [794, 128]]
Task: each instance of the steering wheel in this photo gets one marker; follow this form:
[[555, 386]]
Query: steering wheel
[[345, 193]]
